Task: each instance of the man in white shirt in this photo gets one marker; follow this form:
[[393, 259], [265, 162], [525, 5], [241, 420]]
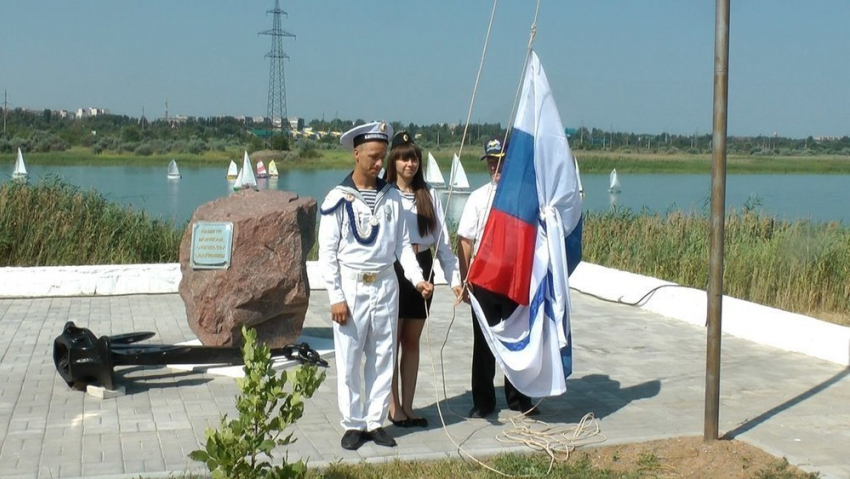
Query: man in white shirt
[[360, 236], [496, 307]]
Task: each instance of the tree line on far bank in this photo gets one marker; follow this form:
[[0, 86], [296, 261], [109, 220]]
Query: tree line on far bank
[[46, 131]]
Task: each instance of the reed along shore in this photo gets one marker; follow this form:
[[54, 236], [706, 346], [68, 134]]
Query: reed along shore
[[798, 266], [51, 223]]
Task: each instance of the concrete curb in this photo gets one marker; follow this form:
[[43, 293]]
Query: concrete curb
[[754, 322], [105, 280]]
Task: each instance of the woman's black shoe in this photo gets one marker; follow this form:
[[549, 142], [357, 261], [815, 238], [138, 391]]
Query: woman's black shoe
[[406, 422], [417, 422]]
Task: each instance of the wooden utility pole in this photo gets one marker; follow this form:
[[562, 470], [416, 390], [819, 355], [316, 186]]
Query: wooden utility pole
[[718, 218], [5, 109]]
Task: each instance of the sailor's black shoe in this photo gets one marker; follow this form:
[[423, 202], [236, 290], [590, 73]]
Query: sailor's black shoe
[[382, 437], [352, 439]]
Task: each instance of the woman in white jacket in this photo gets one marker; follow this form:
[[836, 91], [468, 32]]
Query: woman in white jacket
[[426, 224]]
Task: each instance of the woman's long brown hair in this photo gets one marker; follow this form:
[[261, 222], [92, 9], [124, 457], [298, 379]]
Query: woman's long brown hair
[[426, 219]]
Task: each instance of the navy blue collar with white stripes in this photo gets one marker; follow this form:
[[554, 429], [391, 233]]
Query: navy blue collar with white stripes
[[348, 181]]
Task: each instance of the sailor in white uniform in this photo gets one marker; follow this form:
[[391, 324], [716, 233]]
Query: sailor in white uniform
[[360, 235]]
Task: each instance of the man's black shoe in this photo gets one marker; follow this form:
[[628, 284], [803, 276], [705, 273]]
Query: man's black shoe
[[382, 437], [526, 408], [352, 439], [479, 413]]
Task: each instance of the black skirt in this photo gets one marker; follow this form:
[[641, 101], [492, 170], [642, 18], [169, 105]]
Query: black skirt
[[410, 302]]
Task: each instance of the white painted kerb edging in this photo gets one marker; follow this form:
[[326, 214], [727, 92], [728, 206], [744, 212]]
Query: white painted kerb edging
[[754, 322], [89, 280], [757, 323], [109, 280]]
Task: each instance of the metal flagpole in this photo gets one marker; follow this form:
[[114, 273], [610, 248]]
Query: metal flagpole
[[718, 213]]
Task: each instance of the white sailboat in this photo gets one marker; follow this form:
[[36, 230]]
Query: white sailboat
[[273, 169], [232, 171], [173, 171], [458, 178], [578, 178], [246, 178], [20, 172], [261, 170], [433, 175], [614, 182]]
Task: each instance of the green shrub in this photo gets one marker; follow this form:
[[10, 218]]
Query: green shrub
[[242, 448]]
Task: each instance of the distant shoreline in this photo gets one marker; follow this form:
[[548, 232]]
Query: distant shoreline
[[589, 161]]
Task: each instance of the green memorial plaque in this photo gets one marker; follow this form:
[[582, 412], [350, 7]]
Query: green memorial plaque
[[211, 244]]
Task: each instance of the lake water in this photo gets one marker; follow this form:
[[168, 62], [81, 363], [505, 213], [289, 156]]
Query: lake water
[[816, 197]]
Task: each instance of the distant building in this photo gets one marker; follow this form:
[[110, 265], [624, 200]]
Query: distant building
[[295, 123], [89, 112]]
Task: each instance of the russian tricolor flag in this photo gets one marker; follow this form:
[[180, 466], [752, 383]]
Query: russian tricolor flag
[[529, 241]]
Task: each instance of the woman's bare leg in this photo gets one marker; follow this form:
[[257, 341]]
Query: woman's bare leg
[[396, 411], [409, 335]]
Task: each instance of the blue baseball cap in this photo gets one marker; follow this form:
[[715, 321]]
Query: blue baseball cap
[[496, 146]]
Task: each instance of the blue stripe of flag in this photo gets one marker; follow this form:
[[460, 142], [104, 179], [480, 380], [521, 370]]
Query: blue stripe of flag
[[517, 191]]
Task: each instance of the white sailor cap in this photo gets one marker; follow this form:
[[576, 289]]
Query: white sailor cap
[[375, 131]]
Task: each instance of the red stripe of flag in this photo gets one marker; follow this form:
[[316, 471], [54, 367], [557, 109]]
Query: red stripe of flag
[[505, 257]]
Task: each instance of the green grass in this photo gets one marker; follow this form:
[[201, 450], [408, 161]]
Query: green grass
[[604, 162], [579, 466], [514, 465], [51, 223], [522, 465]]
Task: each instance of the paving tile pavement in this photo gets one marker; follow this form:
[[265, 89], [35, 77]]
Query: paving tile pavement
[[642, 375]]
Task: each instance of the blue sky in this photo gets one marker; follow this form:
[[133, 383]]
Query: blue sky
[[644, 66]]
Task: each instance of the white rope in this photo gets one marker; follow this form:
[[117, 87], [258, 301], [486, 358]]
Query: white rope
[[557, 442], [512, 117]]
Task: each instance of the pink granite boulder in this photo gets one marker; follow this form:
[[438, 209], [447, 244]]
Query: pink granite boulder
[[266, 285]]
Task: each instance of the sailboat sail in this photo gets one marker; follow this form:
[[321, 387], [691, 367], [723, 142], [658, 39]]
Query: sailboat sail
[[237, 185], [273, 169], [232, 171], [20, 167], [614, 184], [458, 176], [433, 175], [261, 170], [246, 177], [173, 171]]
